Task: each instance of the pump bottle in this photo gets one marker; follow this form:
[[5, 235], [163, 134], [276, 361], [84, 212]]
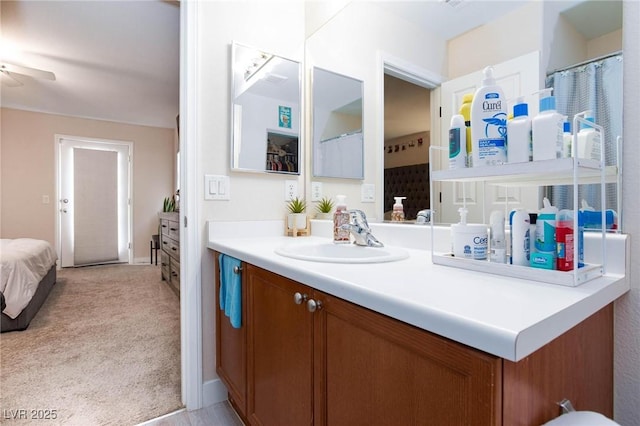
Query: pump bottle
[[397, 215], [488, 123], [340, 217], [546, 129]]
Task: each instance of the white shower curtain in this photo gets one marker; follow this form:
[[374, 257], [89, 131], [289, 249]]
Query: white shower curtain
[[595, 86]]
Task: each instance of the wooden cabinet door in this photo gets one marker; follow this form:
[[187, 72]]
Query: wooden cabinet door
[[373, 370], [231, 349], [280, 345]]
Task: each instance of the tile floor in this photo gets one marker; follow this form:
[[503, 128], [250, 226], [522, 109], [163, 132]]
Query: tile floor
[[220, 414]]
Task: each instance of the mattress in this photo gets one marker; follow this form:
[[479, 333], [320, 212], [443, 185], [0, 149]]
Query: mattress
[[23, 264]]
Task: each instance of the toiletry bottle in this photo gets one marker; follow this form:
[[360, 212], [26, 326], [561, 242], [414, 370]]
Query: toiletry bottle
[[519, 134], [340, 217], [457, 143], [588, 140], [397, 215], [497, 245], [567, 139], [546, 227], [469, 240], [488, 123], [520, 245], [565, 240], [465, 111], [547, 129]]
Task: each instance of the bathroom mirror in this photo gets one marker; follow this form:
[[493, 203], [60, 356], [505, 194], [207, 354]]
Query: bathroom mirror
[[338, 145], [265, 112], [361, 33]]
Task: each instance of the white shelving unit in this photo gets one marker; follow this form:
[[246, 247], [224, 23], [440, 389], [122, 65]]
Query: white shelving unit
[[563, 171]]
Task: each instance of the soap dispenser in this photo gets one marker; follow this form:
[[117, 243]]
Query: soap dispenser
[[397, 215], [341, 217]]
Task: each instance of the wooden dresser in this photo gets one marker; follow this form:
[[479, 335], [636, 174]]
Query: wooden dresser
[[170, 249]]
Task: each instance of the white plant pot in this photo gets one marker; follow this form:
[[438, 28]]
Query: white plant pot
[[296, 220], [324, 216]]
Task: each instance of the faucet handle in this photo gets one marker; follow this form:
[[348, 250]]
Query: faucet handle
[[359, 218]]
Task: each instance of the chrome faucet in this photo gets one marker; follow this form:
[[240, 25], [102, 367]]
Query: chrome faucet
[[360, 230]]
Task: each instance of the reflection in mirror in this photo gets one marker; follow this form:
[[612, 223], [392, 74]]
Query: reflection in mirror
[[338, 146], [266, 98], [407, 128]]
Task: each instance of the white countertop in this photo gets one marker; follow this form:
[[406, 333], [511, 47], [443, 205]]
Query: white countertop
[[507, 317]]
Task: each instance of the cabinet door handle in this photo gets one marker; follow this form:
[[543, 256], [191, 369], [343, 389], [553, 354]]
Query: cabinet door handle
[[313, 305], [299, 298], [237, 269]]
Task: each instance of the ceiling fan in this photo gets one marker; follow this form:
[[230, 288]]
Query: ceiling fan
[[11, 74]]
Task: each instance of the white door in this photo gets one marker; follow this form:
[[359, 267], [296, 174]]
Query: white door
[[94, 201], [517, 77]]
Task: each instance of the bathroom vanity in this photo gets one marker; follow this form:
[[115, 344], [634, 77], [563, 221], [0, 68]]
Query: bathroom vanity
[[409, 342]]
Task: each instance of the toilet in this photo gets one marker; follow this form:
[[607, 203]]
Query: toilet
[[581, 418], [570, 417]]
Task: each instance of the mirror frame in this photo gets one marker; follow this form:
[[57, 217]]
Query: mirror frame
[[283, 114], [315, 144]]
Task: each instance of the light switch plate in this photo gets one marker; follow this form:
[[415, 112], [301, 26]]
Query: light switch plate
[[368, 193], [316, 191], [217, 187]]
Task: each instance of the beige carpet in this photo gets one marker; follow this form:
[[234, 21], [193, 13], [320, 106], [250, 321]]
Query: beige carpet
[[103, 350]]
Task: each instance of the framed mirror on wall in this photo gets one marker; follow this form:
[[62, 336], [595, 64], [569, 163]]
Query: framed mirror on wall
[[265, 112], [338, 144]]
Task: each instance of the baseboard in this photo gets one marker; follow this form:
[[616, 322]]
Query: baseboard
[[213, 391], [142, 260]]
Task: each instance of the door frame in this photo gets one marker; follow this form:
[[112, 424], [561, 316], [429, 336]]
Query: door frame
[[57, 158], [190, 236]]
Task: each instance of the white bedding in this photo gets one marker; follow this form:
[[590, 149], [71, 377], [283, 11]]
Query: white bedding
[[23, 264]]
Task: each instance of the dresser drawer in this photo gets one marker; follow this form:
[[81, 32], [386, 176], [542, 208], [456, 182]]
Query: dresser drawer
[[165, 262], [175, 274], [164, 227], [174, 230]]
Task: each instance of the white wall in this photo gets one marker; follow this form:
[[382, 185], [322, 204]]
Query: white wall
[[275, 27], [627, 309]]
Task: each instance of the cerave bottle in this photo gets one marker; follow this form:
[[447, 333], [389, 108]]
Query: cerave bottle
[[488, 123]]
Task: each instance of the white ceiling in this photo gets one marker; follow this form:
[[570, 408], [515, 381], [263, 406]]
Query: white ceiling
[[119, 60], [113, 60]]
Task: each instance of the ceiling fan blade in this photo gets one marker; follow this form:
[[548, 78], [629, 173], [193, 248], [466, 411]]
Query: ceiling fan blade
[[8, 80], [28, 71]]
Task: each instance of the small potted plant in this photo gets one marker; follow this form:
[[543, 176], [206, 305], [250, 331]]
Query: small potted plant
[[324, 208], [297, 218]]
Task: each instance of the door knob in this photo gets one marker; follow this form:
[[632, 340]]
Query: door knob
[[313, 305], [299, 298]]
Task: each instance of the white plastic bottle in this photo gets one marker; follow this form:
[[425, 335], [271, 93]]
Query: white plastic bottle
[[397, 215], [588, 140], [546, 129], [519, 134], [341, 217], [497, 244], [546, 227], [520, 246], [457, 143], [567, 139], [488, 123]]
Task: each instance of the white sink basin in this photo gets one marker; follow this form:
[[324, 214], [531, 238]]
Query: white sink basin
[[341, 253]]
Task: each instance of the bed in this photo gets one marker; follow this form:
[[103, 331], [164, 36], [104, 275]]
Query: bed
[[27, 274]]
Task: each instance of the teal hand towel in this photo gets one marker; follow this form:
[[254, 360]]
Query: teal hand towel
[[230, 290]]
